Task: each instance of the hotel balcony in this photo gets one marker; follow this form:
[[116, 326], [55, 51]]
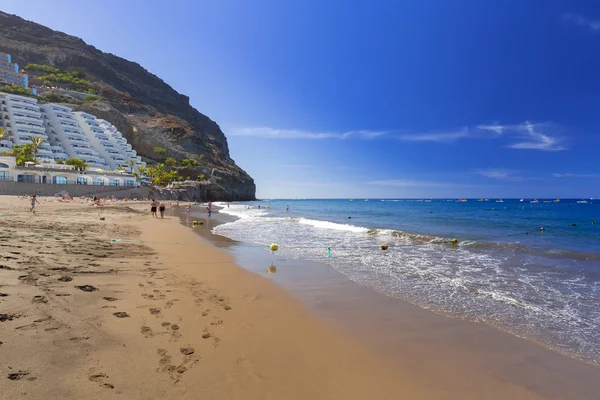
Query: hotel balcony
[[29, 126], [58, 108], [78, 140], [24, 109], [26, 117], [87, 116], [24, 135], [45, 151]]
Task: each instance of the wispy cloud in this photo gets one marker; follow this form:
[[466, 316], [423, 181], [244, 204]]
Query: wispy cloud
[[526, 135], [500, 174], [441, 137], [570, 175], [593, 25], [271, 133], [535, 140], [499, 129], [414, 183]]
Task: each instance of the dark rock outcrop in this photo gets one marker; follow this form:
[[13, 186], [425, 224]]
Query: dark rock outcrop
[[199, 192], [142, 106]]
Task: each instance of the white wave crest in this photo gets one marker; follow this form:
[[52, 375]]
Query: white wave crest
[[332, 225]]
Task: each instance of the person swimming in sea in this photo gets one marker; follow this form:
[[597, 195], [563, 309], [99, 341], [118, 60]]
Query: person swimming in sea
[[287, 208]]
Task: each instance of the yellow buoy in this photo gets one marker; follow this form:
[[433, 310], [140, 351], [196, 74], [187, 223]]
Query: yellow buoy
[[274, 247], [384, 246], [272, 269], [454, 240]]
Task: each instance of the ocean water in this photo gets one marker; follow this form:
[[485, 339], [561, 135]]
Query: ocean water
[[505, 271]]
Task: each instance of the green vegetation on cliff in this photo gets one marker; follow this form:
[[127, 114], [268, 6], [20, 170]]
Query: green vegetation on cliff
[[19, 90], [51, 75]]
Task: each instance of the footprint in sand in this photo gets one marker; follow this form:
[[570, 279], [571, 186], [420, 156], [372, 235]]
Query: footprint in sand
[[121, 314], [99, 378], [146, 331], [39, 299], [154, 311], [110, 299], [17, 376], [187, 350], [87, 288], [205, 313], [164, 361]]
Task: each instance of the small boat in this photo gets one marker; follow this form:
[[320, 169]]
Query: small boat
[[480, 200], [582, 202], [521, 200], [461, 200], [534, 201], [500, 201], [366, 199], [351, 200], [557, 201]]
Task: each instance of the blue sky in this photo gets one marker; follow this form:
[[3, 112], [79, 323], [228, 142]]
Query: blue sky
[[416, 98]]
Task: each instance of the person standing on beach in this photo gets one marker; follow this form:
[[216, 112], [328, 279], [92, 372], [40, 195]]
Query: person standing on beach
[[162, 210], [153, 208], [33, 201]]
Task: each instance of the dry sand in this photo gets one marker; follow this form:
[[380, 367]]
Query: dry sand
[[82, 317]]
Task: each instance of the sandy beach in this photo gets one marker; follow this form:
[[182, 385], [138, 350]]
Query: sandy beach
[[159, 312]]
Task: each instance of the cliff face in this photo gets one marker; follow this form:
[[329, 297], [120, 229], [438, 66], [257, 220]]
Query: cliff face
[[141, 105]]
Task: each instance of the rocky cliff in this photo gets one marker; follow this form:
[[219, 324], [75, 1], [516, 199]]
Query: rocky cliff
[[142, 106]]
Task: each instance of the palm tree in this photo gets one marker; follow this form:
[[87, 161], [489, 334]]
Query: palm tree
[[36, 142], [4, 135], [131, 164]]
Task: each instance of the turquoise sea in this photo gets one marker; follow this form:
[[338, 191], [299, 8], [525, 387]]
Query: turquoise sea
[[505, 270]]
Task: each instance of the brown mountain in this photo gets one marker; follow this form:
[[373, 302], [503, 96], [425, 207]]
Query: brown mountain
[[142, 106]]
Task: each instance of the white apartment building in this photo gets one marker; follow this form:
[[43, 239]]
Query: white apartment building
[[22, 118], [109, 142], [66, 135], [63, 130]]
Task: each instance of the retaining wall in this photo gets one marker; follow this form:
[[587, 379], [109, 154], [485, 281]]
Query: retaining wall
[[41, 189]]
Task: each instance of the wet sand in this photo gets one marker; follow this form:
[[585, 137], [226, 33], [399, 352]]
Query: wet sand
[[162, 313], [453, 355]]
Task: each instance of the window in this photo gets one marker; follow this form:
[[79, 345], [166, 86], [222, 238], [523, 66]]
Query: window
[[59, 180], [114, 182], [82, 181], [4, 176], [26, 178], [130, 183], [99, 181]]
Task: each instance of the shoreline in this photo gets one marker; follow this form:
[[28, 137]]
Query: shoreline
[[512, 291], [198, 325], [385, 324]]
